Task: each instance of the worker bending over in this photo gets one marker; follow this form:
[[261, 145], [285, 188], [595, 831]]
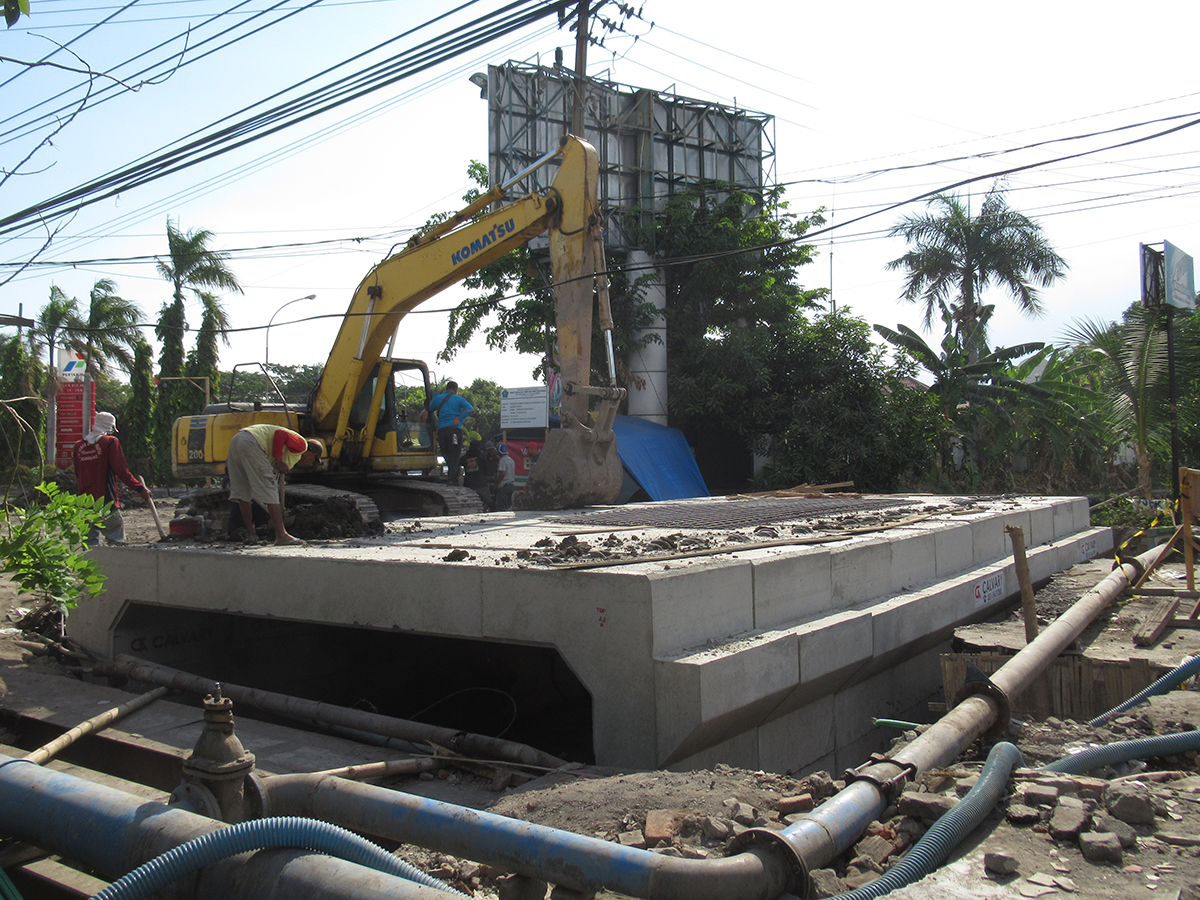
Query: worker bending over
[[259, 455]]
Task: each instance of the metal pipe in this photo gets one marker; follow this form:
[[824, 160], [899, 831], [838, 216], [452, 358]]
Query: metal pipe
[[836, 824], [571, 860], [471, 745], [47, 752], [114, 832]]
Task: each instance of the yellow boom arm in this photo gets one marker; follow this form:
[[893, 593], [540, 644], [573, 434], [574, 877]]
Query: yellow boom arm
[[447, 254]]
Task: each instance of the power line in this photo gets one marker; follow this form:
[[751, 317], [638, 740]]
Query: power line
[[176, 157]]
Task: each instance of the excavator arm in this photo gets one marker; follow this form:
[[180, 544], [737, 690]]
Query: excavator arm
[[577, 467]]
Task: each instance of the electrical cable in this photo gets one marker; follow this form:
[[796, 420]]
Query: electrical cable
[[285, 115]]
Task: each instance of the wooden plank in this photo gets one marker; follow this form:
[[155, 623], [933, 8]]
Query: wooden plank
[[1167, 592], [1185, 623], [1156, 622]]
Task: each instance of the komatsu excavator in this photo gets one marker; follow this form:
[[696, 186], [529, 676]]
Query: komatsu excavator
[[374, 452]]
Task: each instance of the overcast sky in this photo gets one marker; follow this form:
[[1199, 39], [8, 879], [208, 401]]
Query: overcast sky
[[874, 103]]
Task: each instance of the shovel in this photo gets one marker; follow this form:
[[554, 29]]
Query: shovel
[[162, 532]]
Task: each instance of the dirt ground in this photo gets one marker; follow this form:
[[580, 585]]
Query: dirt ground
[[695, 814]]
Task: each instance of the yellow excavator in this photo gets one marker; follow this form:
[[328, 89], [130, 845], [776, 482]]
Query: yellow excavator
[[376, 452]]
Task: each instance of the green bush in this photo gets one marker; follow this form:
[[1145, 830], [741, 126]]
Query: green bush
[[44, 547]]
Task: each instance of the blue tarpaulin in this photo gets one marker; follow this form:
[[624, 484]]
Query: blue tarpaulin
[[659, 459]]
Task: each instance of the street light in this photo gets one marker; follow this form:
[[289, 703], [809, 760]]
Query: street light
[[267, 342]]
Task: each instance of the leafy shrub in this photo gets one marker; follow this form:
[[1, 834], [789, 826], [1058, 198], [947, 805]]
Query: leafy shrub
[[44, 547]]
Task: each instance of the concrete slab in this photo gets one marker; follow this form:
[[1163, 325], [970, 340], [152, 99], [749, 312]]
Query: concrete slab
[[738, 652]]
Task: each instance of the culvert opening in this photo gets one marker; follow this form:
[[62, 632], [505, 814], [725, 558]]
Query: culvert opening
[[519, 692]]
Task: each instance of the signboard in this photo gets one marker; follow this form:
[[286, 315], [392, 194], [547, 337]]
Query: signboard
[[989, 589], [1179, 278], [71, 365], [72, 409], [524, 408], [1168, 277], [651, 144]]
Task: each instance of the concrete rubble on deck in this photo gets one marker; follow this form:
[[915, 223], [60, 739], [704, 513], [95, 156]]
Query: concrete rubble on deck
[[773, 658]]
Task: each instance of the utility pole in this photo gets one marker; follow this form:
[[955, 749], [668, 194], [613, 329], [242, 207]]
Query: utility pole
[[581, 42]]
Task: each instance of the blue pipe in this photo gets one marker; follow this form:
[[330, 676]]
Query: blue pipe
[[260, 834], [1123, 751], [113, 832], [571, 860], [1164, 684], [948, 831]]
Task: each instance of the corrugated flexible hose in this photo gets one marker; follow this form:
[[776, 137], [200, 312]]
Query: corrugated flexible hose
[[260, 834], [1123, 751], [948, 831]]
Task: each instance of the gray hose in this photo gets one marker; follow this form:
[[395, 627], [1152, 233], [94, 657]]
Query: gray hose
[[1123, 751], [1164, 684], [948, 831]]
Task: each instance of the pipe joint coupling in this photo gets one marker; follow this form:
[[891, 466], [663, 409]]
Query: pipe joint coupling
[[891, 788], [773, 847], [987, 688]]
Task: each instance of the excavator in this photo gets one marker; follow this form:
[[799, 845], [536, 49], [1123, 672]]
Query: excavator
[[388, 463]]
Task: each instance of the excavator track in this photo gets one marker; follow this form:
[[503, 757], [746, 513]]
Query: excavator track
[[375, 499]]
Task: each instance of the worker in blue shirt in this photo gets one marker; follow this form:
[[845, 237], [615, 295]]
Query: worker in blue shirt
[[451, 410]]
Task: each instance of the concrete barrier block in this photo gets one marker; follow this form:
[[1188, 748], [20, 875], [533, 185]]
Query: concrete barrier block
[[702, 603], [838, 641], [914, 558], [1070, 516], [743, 748], [132, 578], [861, 571], [791, 587], [1041, 525], [953, 550], [793, 742], [988, 540], [911, 617]]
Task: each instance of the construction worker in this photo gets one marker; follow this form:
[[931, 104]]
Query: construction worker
[[259, 455], [99, 462], [451, 410], [505, 484]]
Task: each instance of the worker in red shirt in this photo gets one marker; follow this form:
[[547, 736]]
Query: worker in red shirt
[[258, 456], [99, 462]]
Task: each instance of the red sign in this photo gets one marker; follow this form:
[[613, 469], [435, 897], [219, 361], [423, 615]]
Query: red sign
[[70, 418]]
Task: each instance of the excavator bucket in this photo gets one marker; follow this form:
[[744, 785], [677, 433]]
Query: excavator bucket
[[578, 466]]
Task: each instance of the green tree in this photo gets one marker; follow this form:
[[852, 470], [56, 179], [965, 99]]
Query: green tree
[[837, 411], [214, 326], [138, 426], [20, 377], [110, 332], [1134, 365], [58, 325], [954, 257], [484, 395], [189, 265]]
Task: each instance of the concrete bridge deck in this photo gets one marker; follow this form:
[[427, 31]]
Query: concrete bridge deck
[[764, 652]]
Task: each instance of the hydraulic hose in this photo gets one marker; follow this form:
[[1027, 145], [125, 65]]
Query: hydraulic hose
[[1123, 751], [948, 831], [260, 834], [1179, 673]]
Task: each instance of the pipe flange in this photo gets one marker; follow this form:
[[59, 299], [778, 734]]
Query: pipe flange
[[197, 798], [1003, 707], [256, 802], [780, 850], [891, 787]]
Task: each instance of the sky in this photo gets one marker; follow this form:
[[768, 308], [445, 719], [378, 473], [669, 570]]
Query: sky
[[875, 107]]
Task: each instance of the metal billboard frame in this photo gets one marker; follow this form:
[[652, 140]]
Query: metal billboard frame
[[651, 144]]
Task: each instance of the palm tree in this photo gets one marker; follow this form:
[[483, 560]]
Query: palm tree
[[1135, 369], [110, 335], [955, 256], [189, 264], [58, 324]]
